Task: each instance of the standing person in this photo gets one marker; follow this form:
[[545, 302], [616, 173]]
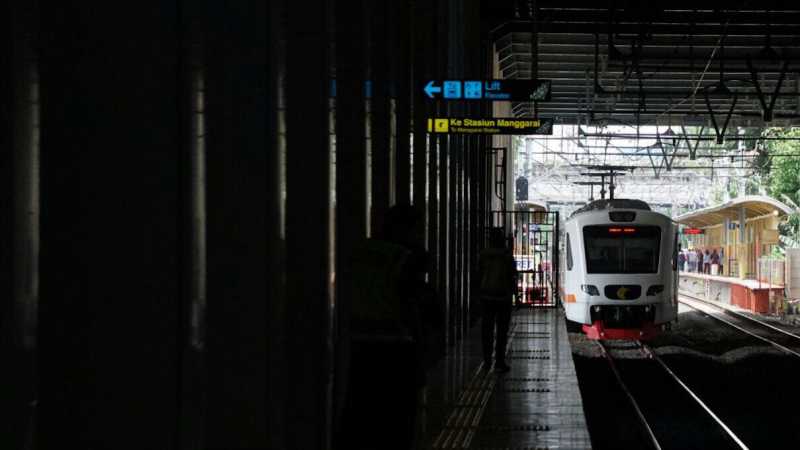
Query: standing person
[[721, 260], [706, 262], [692, 257], [715, 259], [497, 273], [681, 260], [390, 321], [699, 261]]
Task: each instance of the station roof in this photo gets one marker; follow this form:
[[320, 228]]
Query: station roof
[[754, 206], [648, 62]]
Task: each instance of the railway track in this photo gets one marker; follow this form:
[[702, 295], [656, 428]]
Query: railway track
[[779, 338], [670, 414]]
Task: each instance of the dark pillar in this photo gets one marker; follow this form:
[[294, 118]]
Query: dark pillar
[[422, 59], [19, 222], [351, 195], [443, 177], [457, 230], [433, 210], [240, 148], [381, 115], [401, 12], [452, 236], [444, 234], [278, 372], [192, 307], [308, 222], [351, 157], [432, 56], [111, 195]]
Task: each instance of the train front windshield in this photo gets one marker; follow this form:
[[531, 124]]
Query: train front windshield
[[621, 249]]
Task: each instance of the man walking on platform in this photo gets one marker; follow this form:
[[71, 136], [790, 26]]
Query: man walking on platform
[[497, 273]]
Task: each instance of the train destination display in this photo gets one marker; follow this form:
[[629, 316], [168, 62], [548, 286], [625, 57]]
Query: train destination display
[[491, 90], [494, 125]]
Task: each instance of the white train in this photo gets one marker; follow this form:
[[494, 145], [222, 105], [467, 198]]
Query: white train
[[619, 269]]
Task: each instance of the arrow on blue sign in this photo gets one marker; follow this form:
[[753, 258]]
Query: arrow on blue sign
[[430, 89]]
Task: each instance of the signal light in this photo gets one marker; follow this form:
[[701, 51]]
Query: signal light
[[614, 230], [629, 230]]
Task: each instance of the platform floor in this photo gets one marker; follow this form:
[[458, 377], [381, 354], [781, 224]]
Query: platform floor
[[536, 405]]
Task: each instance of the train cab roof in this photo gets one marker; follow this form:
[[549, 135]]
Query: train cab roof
[[616, 203]]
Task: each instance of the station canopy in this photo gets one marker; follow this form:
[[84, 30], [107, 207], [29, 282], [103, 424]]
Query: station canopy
[[685, 92], [754, 206], [655, 61]]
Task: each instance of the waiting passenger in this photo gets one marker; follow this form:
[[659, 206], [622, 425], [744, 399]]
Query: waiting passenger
[[692, 257], [715, 259], [706, 262], [699, 261], [497, 273]]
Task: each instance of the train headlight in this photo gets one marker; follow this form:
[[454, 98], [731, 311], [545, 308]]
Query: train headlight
[[590, 289], [655, 289]]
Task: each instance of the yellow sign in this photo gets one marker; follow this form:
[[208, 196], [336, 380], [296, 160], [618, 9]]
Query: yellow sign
[[495, 125]]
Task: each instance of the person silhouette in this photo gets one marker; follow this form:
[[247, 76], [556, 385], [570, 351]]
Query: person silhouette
[[497, 273]]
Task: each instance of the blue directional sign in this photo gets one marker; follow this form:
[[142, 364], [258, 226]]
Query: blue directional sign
[[452, 89], [490, 90], [473, 89], [431, 90]]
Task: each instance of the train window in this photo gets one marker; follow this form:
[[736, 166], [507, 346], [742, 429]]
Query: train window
[[621, 249], [569, 254]]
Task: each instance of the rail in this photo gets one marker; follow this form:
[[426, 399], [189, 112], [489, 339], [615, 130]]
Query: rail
[[651, 355], [701, 306], [629, 395], [743, 316], [686, 388]]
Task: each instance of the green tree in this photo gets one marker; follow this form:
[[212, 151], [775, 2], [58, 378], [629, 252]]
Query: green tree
[[778, 164], [784, 167]]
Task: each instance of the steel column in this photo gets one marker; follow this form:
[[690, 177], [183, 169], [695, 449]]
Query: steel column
[[308, 227], [422, 62], [351, 162], [381, 114], [19, 224], [277, 371], [403, 100], [113, 199]]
